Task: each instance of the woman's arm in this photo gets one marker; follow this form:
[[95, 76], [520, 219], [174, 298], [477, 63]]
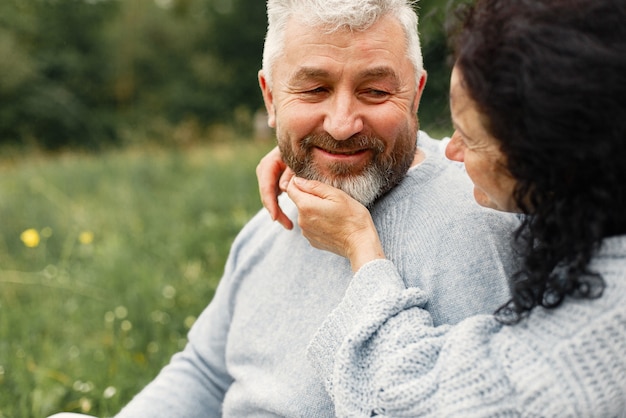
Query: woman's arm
[[379, 354]]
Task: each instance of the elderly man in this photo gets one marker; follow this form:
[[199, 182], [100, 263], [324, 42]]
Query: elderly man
[[342, 82]]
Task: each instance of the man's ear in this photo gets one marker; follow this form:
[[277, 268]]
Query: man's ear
[[268, 99], [420, 90]]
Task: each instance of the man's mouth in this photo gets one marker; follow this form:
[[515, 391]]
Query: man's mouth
[[342, 152], [353, 160]]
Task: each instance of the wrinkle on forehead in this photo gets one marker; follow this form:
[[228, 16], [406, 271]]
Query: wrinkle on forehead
[[387, 31]]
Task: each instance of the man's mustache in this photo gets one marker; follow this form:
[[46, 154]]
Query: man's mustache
[[354, 143]]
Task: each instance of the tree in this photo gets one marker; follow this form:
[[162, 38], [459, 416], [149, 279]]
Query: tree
[[51, 56]]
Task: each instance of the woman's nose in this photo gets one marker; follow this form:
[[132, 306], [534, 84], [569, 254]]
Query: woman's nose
[[455, 150]]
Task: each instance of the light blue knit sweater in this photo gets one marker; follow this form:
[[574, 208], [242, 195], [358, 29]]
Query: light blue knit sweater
[[246, 355], [379, 352]]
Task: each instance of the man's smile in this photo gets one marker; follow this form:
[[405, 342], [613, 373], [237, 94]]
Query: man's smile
[[353, 157]]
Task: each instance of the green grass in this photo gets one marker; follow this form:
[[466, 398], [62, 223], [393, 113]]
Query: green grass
[[132, 246]]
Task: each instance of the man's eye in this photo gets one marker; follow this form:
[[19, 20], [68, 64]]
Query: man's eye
[[379, 93], [316, 90], [375, 96]]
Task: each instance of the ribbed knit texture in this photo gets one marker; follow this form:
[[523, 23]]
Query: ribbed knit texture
[[380, 353], [246, 355]]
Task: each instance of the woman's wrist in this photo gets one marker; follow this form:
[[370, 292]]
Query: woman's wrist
[[365, 250]]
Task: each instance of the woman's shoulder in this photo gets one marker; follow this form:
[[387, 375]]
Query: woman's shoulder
[[584, 322]]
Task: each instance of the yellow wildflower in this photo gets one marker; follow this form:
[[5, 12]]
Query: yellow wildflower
[[30, 238], [85, 237]]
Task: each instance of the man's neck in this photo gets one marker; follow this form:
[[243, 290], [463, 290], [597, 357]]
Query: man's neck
[[419, 157]]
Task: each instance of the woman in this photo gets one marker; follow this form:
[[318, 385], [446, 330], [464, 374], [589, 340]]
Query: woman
[[538, 101]]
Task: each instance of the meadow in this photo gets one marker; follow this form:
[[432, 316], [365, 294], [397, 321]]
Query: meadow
[[105, 262]]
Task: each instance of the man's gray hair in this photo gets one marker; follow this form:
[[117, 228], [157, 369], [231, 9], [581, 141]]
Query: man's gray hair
[[333, 15]]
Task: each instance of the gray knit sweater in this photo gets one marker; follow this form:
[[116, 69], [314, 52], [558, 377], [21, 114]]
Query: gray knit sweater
[[246, 355], [380, 354]]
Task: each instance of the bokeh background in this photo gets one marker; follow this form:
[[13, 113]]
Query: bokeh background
[[129, 134]]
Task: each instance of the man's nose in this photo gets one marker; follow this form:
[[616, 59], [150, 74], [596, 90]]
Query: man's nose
[[455, 149], [343, 119]]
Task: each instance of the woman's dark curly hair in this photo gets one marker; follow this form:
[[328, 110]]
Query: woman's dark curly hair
[[550, 78]]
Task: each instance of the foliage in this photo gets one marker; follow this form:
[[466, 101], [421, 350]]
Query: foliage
[[104, 265], [83, 73], [49, 88], [434, 110]]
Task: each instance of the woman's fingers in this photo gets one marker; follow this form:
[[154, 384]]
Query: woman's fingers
[[272, 174]]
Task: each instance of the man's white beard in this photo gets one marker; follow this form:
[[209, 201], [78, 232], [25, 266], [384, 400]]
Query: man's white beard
[[378, 177], [365, 187]]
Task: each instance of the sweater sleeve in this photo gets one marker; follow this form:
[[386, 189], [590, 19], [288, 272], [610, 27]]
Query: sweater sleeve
[[379, 355]]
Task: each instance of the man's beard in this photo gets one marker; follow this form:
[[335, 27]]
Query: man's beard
[[378, 177]]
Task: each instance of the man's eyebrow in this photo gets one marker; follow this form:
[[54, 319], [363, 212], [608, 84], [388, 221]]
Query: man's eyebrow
[[308, 73], [380, 73]]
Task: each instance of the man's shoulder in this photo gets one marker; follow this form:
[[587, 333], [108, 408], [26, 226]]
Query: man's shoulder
[[427, 142], [438, 191], [259, 229], [435, 180], [262, 232]]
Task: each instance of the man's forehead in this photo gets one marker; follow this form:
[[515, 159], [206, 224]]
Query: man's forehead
[[313, 52], [299, 27]]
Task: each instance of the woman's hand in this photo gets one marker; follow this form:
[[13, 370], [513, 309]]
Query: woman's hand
[[273, 176], [333, 221]]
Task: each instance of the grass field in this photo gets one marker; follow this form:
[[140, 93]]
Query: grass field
[[105, 261]]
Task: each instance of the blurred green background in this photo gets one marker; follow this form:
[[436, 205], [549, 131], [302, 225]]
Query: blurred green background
[[129, 134], [90, 73]]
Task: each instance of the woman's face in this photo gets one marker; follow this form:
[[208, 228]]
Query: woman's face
[[478, 150]]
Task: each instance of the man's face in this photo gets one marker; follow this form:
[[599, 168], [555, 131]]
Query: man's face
[[344, 106]]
